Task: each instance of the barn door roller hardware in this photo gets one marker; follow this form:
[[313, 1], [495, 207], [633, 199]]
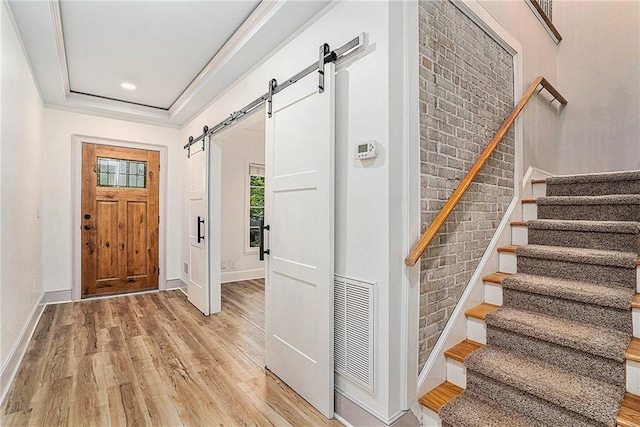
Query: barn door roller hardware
[[326, 55]]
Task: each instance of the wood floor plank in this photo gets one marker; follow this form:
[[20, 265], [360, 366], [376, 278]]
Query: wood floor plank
[[153, 359]]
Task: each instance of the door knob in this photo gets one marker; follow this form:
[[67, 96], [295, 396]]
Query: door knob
[[87, 227]]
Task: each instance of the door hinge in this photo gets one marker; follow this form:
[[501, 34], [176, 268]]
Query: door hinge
[[158, 219]]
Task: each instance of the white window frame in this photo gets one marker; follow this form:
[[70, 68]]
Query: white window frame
[[248, 250]]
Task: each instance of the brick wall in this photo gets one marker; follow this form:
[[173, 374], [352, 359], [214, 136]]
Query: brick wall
[[466, 93]]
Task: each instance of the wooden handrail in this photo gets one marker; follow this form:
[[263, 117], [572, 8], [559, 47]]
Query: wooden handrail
[[430, 232]]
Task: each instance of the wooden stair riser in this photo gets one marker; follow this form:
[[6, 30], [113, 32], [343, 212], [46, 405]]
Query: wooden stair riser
[[508, 262], [529, 211], [633, 377], [539, 189], [456, 373], [429, 418], [493, 293], [519, 235]]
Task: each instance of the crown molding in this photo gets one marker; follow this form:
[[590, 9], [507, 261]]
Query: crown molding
[[258, 17], [56, 18]]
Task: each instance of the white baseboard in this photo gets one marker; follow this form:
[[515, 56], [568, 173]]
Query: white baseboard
[[56, 297], [10, 367], [354, 414], [175, 284], [236, 276]]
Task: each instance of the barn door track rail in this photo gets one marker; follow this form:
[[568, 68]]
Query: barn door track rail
[[325, 56]]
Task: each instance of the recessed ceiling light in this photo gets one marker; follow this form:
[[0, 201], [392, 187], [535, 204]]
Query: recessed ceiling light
[[128, 86]]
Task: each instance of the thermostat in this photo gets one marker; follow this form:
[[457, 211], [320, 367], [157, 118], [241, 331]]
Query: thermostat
[[366, 150]]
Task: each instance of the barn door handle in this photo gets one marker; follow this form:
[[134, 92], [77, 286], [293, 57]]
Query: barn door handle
[[200, 236], [262, 249]]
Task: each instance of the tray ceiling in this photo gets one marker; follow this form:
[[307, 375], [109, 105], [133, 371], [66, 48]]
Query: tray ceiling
[[178, 54]]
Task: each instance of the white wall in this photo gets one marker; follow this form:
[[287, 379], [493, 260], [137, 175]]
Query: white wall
[[21, 191], [599, 73], [238, 147], [57, 212], [363, 249], [539, 57]]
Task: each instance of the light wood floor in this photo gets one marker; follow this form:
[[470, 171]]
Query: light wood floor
[[153, 359]]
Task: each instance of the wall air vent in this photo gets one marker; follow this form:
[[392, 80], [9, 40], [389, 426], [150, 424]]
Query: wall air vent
[[354, 333]]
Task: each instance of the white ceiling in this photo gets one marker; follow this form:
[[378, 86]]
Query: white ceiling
[[179, 54]]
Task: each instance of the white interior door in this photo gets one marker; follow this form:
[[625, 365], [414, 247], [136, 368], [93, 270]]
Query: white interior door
[[299, 208], [198, 283]]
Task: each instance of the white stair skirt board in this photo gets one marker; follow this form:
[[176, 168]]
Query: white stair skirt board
[[633, 377], [493, 293], [529, 211], [539, 190], [519, 235], [635, 314], [476, 330], [430, 418], [508, 262], [456, 373]]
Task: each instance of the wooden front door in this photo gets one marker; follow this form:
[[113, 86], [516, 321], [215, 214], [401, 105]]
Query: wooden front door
[[119, 219]]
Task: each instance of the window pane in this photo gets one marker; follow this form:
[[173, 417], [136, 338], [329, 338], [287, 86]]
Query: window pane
[[254, 237], [256, 197], [121, 173], [255, 215], [257, 181]]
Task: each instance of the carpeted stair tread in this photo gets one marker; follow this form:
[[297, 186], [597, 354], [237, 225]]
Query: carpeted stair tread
[[469, 410], [592, 398], [591, 293], [579, 255], [609, 199], [597, 177], [625, 227], [579, 336], [621, 236], [525, 404]]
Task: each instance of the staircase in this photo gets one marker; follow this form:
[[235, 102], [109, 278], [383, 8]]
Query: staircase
[[556, 341]]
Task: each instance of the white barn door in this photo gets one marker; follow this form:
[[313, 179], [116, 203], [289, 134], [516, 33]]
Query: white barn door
[[198, 275], [299, 209]]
